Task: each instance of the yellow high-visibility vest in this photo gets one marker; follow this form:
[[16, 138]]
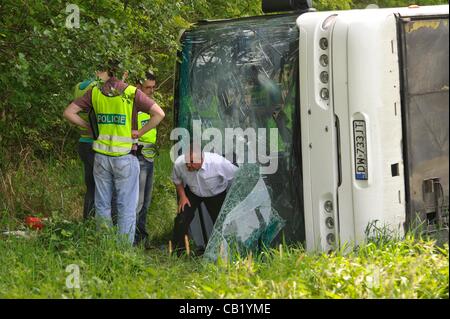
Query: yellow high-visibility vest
[[114, 120], [79, 90], [148, 140]]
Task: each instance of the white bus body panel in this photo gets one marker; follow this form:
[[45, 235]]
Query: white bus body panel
[[364, 85], [319, 152]]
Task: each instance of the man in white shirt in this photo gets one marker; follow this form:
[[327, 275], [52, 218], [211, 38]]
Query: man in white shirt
[[204, 180]]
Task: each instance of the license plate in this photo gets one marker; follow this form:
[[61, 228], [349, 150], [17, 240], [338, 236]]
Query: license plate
[[360, 146]]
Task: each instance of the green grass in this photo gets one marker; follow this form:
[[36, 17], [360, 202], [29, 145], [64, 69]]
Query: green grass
[[55, 188], [163, 206], [36, 267]]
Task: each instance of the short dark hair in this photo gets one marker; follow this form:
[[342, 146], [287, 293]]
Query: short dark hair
[[149, 75]]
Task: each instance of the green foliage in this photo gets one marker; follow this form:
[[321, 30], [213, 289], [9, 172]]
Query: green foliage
[[55, 188], [325, 5], [36, 268], [34, 187], [396, 3], [41, 59], [163, 206]]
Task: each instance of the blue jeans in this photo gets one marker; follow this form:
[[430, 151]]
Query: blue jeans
[[122, 175], [145, 197]]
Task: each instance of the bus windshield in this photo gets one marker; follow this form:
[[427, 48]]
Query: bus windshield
[[243, 75]]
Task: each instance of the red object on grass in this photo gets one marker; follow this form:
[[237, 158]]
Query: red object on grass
[[34, 222]]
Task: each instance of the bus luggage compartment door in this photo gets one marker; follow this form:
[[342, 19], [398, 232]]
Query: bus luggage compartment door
[[425, 102]]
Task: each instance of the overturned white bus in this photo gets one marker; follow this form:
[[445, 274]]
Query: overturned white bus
[[360, 102]]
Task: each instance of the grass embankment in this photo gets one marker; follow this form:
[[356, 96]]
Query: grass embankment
[[56, 189], [36, 267]]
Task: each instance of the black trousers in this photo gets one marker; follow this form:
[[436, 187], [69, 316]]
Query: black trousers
[[184, 219], [87, 154]]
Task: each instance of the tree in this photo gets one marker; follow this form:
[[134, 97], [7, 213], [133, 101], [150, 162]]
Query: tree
[[41, 59]]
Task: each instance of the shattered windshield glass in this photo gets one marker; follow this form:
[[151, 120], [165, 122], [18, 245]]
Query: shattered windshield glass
[[243, 74], [247, 221]]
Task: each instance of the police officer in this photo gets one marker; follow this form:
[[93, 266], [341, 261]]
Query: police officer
[[116, 167], [86, 153], [146, 153]]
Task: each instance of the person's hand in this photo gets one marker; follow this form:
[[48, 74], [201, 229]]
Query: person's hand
[[135, 134], [183, 201]]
